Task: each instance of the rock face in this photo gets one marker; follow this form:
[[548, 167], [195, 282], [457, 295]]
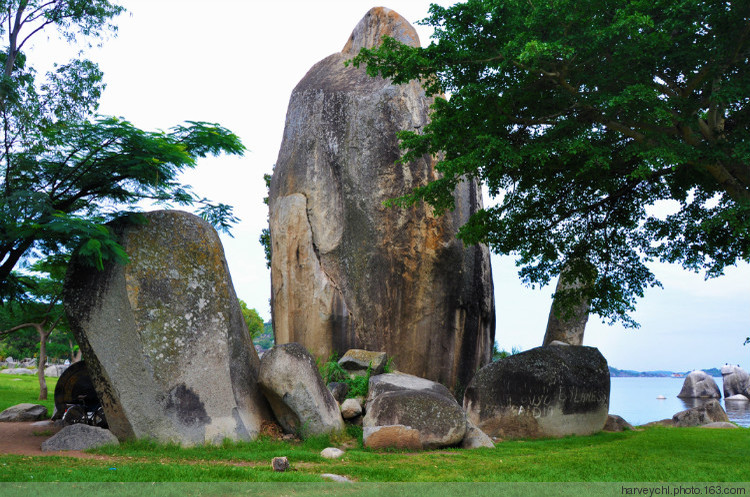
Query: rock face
[[439, 420], [347, 272], [710, 412], [736, 380], [79, 437], [391, 437], [543, 392], [23, 412], [699, 384], [298, 396], [394, 382], [163, 336]]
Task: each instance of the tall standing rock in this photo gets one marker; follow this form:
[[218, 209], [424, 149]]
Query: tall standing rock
[[348, 272], [164, 338]]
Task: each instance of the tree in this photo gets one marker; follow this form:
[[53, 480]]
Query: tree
[[252, 319], [585, 119], [64, 171], [41, 311]]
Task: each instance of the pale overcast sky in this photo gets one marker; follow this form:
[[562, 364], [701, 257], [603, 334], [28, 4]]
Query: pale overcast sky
[[236, 62]]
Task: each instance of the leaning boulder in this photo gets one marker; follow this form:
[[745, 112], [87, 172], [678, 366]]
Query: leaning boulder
[[736, 380], [79, 437], [699, 384], [23, 412], [348, 272], [439, 420], [298, 396], [543, 392], [163, 336], [710, 412]]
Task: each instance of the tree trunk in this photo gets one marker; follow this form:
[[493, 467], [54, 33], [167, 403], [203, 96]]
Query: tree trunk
[[42, 363]]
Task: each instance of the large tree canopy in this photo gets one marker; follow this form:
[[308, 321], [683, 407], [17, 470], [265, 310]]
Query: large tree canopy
[[65, 171], [582, 117]]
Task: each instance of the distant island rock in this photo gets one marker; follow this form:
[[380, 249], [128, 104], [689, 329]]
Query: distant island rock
[[627, 373]]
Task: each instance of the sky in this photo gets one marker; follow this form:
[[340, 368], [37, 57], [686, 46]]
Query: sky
[[236, 62]]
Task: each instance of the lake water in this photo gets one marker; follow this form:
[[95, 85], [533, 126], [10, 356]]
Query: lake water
[[635, 400]]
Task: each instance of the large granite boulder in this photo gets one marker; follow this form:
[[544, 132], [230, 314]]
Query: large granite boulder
[[79, 437], [543, 392], [298, 396], [736, 380], [439, 420], [163, 336], [710, 412], [699, 384], [23, 412], [348, 272]]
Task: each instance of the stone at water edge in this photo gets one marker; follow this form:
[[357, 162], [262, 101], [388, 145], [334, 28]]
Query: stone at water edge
[[735, 379], [23, 412], [699, 384], [347, 272], [543, 392], [295, 390], [710, 412], [163, 337]]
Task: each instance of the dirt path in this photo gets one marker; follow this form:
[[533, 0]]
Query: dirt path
[[26, 439]]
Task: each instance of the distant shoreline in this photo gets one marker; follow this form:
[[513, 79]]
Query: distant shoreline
[[627, 373]]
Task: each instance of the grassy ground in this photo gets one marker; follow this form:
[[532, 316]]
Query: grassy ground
[[656, 454], [17, 389]]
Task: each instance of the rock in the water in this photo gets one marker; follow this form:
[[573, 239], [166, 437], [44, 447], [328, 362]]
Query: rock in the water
[[21, 371], [359, 361], [736, 380], [439, 420], [331, 453], [347, 272], [24, 412], [163, 336], [351, 408], [699, 384], [391, 437], [395, 382], [79, 437], [710, 412], [616, 423], [280, 464], [55, 370], [293, 386], [542, 392], [339, 391], [475, 438], [740, 397]]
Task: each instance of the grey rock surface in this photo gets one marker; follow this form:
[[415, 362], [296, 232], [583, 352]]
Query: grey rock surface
[[710, 412], [736, 380], [616, 423], [351, 408], [439, 420], [720, 425], [336, 478], [163, 337], [20, 371], [295, 390], [543, 392], [395, 382], [475, 438], [79, 437], [339, 391], [55, 370], [331, 453], [699, 384], [358, 361], [347, 272], [23, 412], [280, 464]]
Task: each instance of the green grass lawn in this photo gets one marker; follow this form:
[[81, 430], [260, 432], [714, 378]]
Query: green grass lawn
[[655, 455], [17, 389]]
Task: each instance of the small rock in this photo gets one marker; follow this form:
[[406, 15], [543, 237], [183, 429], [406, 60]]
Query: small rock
[[331, 453], [616, 423], [739, 397], [475, 438], [358, 360], [280, 464], [336, 478], [720, 425], [24, 412], [710, 412], [393, 436], [351, 408], [79, 437]]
